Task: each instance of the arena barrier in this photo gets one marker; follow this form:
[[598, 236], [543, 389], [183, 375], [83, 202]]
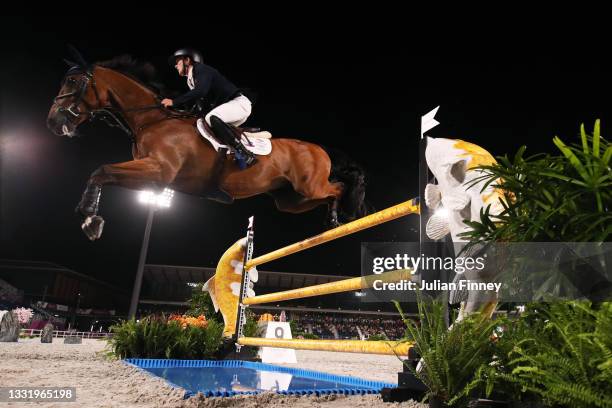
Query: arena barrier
[[233, 307]]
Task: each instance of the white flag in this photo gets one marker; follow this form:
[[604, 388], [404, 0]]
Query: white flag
[[428, 122]]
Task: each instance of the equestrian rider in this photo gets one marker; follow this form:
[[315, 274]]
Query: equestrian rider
[[226, 103]]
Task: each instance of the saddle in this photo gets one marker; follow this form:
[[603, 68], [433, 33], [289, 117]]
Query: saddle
[[251, 132], [239, 132], [253, 139]]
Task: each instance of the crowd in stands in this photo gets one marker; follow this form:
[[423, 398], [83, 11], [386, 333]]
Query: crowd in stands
[[348, 326]]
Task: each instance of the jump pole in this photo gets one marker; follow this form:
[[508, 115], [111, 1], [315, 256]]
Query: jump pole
[[369, 221]]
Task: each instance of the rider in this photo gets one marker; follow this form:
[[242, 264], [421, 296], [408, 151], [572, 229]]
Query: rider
[[229, 105]]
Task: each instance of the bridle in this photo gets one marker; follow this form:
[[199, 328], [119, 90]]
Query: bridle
[[73, 110]]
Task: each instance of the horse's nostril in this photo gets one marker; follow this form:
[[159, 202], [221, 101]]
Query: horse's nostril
[[53, 123]]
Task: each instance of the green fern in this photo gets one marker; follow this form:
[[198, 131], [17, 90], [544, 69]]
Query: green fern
[[557, 353], [551, 198], [449, 357]]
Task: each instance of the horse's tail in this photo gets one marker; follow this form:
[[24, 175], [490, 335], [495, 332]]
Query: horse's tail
[[353, 204]]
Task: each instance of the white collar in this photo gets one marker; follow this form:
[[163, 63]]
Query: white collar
[[190, 81]]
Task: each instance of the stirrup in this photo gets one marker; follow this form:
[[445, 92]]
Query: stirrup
[[244, 158]]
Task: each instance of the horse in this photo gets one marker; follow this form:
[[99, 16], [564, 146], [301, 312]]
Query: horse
[[169, 152]]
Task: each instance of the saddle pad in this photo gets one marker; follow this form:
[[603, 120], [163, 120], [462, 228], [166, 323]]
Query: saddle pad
[[256, 145]]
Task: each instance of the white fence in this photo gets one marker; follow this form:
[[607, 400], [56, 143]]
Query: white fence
[[65, 333]]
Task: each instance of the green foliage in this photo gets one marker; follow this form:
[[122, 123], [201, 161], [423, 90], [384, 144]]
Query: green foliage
[[251, 327], [377, 337], [201, 303], [449, 357], [310, 336], [294, 327], [156, 337], [559, 353], [551, 198], [554, 354]]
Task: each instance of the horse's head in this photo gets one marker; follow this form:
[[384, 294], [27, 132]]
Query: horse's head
[[76, 100], [88, 91]]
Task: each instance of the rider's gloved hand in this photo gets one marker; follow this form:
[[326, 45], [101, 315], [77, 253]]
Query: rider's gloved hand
[[167, 103]]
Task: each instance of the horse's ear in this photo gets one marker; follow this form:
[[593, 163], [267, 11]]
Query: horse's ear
[[71, 64], [77, 56]]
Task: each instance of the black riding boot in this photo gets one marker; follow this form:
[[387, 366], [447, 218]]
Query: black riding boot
[[226, 135]]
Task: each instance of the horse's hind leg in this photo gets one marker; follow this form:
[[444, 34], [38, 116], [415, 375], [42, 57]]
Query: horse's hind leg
[[315, 189], [333, 193]]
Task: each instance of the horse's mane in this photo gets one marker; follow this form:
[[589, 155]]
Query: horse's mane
[[142, 71]]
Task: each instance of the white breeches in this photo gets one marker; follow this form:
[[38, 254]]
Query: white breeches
[[234, 112]]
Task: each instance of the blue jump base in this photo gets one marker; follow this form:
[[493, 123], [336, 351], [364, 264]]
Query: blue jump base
[[307, 382]]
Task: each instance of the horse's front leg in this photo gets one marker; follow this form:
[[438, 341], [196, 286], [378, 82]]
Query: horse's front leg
[[134, 174]]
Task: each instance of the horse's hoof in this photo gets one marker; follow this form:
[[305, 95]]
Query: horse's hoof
[[92, 227], [333, 223]]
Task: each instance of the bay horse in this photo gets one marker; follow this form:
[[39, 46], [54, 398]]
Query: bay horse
[[169, 152]]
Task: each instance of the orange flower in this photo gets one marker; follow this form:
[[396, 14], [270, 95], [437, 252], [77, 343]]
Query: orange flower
[[185, 321], [266, 317]]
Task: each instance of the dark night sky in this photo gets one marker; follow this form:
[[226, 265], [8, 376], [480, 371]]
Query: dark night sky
[[361, 93]]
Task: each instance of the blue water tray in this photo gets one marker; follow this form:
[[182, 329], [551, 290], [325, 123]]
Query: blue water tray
[[232, 377]]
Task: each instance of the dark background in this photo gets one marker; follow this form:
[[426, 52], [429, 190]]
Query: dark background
[[360, 91]]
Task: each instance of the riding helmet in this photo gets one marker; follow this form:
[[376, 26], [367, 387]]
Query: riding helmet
[[185, 52]]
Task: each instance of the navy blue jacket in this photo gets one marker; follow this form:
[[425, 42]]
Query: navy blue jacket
[[210, 87]]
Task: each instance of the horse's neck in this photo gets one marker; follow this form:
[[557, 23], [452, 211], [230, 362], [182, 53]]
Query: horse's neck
[[128, 96]]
